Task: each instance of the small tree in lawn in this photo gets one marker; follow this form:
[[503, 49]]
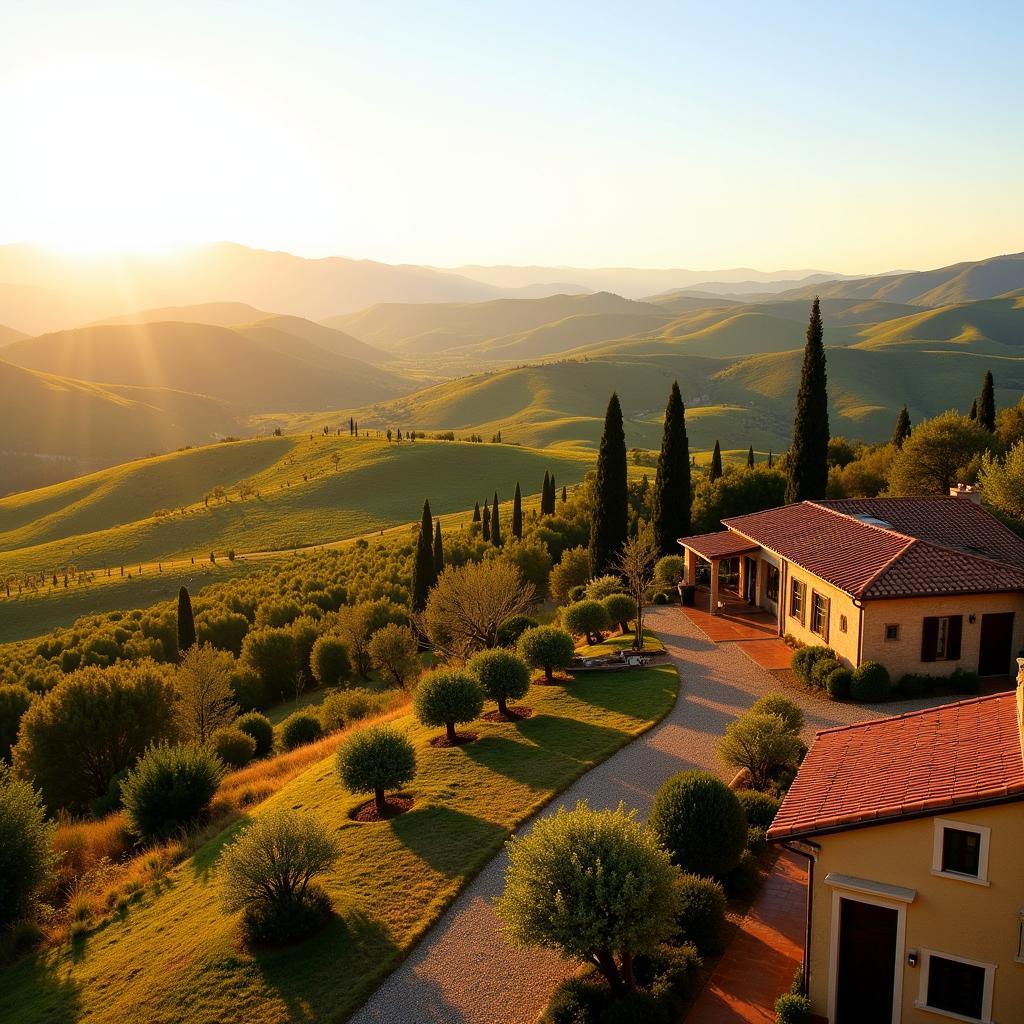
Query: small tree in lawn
[[592, 885], [621, 608], [394, 650], [636, 566], [186, 622], [546, 647], [503, 675], [586, 619], [447, 697], [375, 760]]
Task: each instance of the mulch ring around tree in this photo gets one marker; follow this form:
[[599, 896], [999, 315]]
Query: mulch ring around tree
[[461, 739], [557, 679], [396, 804], [515, 714]]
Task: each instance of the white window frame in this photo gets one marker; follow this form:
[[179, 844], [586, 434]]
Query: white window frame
[[921, 1003], [982, 831]]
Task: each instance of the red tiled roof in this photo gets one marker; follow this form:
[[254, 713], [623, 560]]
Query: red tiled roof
[[924, 762], [870, 558], [722, 544]]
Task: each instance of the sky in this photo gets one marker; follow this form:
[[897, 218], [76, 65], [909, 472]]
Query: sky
[[849, 138]]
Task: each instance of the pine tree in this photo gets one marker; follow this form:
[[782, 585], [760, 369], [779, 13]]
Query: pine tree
[[808, 458], [495, 523], [670, 504], [438, 551], [517, 514], [423, 568], [902, 429], [750, 457], [987, 404], [972, 413], [186, 623], [486, 524], [610, 521], [716, 463], [545, 494], [476, 513]]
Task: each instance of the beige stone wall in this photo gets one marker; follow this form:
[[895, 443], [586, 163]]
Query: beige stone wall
[[843, 643], [960, 918], [904, 655]]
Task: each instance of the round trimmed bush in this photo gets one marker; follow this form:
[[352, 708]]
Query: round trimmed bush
[[576, 1001], [870, 683], [820, 670], [913, 684], [837, 682], [805, 658], [701, 823], [601, 586], [375, 760], [760, 808], [670, 569], [621, 608], [777, 704], [701, 917], [300, 728], [233, 746], [26, 851], [329, 661], [661, 597], [503, 675], [577, 593], [446, 697], [586, 618], [169, 788], [512, 629], [792, 1008], [260, 728], [546, 647]]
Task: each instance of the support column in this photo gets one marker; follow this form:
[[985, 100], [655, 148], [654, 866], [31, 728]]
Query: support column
[[691, 567], [743, 577], [762, 573], [714, 585]]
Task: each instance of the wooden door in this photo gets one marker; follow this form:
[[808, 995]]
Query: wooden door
[[866, 968]]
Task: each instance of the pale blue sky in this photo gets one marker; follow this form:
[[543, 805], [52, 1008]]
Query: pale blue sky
[[851, 137]]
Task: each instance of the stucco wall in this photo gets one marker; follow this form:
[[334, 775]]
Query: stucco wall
[[946, 916], [844, 644]]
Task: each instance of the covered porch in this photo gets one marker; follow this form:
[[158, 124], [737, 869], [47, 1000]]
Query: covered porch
[[728, 551]]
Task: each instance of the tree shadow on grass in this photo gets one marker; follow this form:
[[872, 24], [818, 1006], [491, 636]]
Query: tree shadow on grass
[[578, 741], [638, 693], [538, 767], [204, 860], [447, 839], [33, 990]]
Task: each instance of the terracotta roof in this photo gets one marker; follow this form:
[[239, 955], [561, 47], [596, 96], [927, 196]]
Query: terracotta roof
[[722, 544], [924, 762], [855, 545]]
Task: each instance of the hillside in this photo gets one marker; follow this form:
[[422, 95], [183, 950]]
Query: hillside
[[275, 371], [9, 334], [327, 338], [220, 314]]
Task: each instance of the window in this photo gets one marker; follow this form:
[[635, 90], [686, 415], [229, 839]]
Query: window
[[842, 624], [940, 638], [955, 986], [797, 593], [892, 631], [771, 581], [960, 850], [819, 614]]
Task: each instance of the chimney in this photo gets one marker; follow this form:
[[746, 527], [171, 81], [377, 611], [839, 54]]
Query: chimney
[[967, 491], [1020, 702]]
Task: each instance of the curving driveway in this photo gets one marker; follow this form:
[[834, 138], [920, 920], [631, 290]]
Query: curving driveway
[[463, 971]]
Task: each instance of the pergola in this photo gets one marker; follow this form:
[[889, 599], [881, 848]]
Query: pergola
[[714, 548]]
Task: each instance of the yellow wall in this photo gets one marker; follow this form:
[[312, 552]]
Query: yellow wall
[[947, 916], [904, 655]]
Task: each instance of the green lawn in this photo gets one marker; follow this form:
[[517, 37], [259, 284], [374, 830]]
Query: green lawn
[[619, 642], [174, 956]]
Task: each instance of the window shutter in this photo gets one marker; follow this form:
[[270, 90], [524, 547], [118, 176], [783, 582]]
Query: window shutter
[[826, 610], [929, 638], [956, 629]]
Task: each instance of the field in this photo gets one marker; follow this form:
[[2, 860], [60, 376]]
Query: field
[[174, 956]]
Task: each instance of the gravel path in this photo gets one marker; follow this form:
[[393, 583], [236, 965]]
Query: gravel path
[[463, 971]]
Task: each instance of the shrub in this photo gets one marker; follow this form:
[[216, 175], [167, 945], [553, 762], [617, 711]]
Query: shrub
[[571, 572], [837, 682], [913, 684], [14, 702], [233, 746], [699, 820], [375, 760], [270, 653], [577, 593], [620, 608], [222, 629], [277, 613], [546, 647], [744, 881], [268, 873], [760, 808], [345, 706], [763, 745], [601, 587], [300, 728], [820, 671], [587, 619], [669, 971], [329, 661], [963, 680], [870, 683], [670, 569], [512, 629], [805, 658], [636, 1007], [593, 885], [787, 710], [26, 855], [792, 1009], [503, 675], [395, 652], [259, 727], [170, 788], [701, 917], [445, 697], [576, 1001]]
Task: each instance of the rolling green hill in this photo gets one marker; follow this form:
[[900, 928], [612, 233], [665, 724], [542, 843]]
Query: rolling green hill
[[328, 338]]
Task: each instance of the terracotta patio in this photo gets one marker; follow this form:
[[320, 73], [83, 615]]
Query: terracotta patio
[[738, 622]]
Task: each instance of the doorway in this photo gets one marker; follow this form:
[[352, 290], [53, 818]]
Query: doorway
[[866, 962], [996, 644], [750, 574]]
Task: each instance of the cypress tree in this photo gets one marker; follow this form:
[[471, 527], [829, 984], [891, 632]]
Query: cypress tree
[[476, 513], [987, 404], [716, 463], [771, 459], [972, 413], [423, 567], [610, 521], [565, 496], [808, 458], [495, 523], [486, 524], [750, 457], [551, 496], [186, 623], [517, 514], [545, 494], [902, 429], [438, 550], [670, 503]]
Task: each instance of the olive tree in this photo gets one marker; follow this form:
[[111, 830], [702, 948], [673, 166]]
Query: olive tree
[[546, 647], [446, 697], [572, 570], [593, 885], [940, 453], [375, 760], [205, 697], [763, 744], [620, 608], [586, 619], [503, 675], [329, 661], [395, 652]]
